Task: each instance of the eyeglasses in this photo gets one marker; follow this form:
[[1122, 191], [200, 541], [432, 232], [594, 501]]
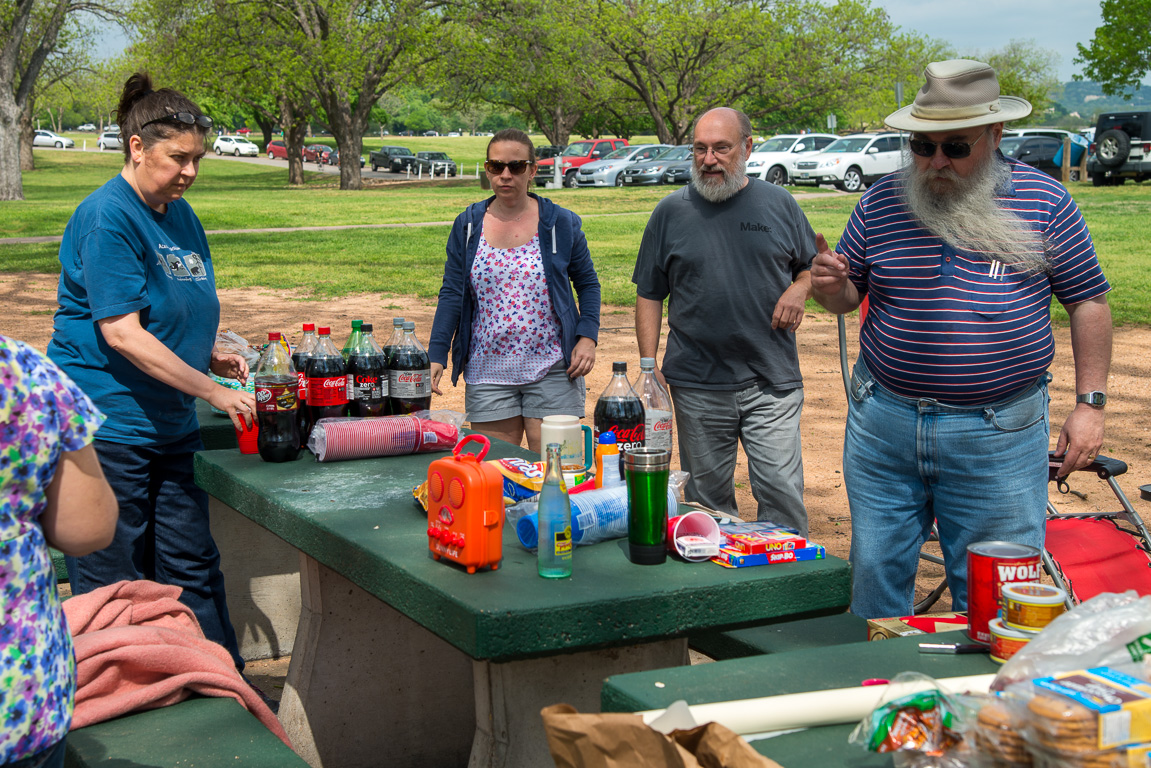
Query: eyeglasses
[[184, 118], [496, 167], [956, 150], [721, 151]]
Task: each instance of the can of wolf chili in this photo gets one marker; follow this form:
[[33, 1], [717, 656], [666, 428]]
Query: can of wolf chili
[[990, 565]]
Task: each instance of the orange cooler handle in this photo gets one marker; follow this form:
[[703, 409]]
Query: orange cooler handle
[[478, 438]]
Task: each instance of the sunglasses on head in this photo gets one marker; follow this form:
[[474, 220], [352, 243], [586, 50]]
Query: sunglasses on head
[[496, 167], [183, 118], [955, 150]]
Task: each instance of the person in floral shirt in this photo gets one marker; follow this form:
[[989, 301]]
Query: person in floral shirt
[[52, 491]]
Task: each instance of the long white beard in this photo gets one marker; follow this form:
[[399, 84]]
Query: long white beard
[[963, 212], [718, 191]]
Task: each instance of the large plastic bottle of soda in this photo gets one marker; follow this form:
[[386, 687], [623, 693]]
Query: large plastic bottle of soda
[[368, 377], [410, 375], [657, 414], [277, 403], [395, 340], [327, 376], [620, 410], [300, 357], [353, 340]]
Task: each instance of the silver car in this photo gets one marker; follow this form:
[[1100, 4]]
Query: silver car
[[606, 172], [49, 139], [110, 140]]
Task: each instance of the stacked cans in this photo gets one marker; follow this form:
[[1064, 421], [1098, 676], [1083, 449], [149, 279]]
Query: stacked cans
[[1006, 604]]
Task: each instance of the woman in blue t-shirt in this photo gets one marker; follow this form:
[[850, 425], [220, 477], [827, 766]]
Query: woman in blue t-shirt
[[136, 330]]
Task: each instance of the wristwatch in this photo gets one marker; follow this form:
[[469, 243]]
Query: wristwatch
[[1094, 399]]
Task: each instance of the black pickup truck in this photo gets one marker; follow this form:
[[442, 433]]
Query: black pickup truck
[[435, 163], [394, 159]]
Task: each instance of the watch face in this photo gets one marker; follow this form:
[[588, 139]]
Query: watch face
[[1097, 399]]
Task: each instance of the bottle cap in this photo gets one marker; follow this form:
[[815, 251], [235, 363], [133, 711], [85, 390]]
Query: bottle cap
[[325, 330], [356, 324], [398, 321], [607, 438], [309, 327], [647, 362], [409, 325], [273, 336], [366, 328], [618, 367]]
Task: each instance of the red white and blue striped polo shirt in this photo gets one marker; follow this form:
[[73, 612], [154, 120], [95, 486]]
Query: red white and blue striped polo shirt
[[943, 324]]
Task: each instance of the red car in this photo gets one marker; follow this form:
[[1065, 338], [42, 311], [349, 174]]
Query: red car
[[278, 149], [244, 131], [574, 155], [314, 152]]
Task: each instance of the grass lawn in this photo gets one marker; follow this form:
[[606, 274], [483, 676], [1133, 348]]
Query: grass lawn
[[235, 195]]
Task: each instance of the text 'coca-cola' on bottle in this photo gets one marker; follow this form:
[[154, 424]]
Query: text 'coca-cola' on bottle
[[368, 377], [619, 410], [327, 376], [410, 375], [657, 413]]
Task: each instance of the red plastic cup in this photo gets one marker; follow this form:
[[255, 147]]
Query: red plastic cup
[[691, 524], [247, 436]]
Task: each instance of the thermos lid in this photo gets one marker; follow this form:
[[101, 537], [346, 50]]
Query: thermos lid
[[647, 459]]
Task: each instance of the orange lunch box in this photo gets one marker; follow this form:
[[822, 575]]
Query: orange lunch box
[[466, 508]]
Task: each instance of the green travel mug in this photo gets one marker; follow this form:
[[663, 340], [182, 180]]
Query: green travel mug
[[647, 471]]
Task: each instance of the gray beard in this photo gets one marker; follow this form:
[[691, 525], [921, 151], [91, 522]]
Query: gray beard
[[964, 213], [718, 191]]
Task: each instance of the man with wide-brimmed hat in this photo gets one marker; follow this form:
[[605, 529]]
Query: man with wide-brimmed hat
[[959, 255]]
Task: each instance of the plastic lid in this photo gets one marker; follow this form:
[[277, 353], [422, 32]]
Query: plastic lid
[[650, 459], [366, 327], [647, 362], [273, 336], [1033, 593], [356, 324], [325, 330], [618, 367], [309, 327], [607, 438], [397, 321], [409, 325]]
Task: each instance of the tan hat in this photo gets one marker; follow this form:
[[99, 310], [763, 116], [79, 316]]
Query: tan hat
[[958, 94]]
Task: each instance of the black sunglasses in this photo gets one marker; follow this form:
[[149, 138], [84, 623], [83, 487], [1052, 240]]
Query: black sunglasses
[[496, 167], [184, 118], [956, 150]]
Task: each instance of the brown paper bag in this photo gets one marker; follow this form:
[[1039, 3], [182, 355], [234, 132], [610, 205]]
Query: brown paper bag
[[618, 740]]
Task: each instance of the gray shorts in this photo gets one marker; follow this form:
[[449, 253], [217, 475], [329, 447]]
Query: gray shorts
[[553, 395]]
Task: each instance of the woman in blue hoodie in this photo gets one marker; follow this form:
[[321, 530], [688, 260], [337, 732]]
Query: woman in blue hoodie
[[506, 310]]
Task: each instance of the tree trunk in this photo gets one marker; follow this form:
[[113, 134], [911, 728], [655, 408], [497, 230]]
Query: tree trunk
[[27, 135], [11, 185], [293, 126]]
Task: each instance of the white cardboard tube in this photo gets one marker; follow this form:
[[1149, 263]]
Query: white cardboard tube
[[805, 710]]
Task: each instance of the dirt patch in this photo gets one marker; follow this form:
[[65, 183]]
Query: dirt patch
[[30, 300]]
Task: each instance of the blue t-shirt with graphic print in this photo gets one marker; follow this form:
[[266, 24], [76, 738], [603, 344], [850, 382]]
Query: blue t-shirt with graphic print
[[120, 256]]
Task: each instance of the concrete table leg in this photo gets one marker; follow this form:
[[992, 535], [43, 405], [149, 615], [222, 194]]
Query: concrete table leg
[[368, 686], [262, 581], [510, 695]]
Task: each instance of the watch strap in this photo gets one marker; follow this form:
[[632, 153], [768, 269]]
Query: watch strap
[[1095, 399]]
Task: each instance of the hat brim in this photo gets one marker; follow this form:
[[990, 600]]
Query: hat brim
[[1010, 108]]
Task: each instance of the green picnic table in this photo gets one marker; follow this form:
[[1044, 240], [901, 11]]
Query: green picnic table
[[798, 671], [401, 658]]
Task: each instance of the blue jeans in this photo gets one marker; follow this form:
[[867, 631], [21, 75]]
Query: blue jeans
[[979, 471], [162, 534], [711, 422], [52, 757]]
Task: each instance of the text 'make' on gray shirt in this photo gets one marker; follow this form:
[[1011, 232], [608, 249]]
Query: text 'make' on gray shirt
[[725, 265]]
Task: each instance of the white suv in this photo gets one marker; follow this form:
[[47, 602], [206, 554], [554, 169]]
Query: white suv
[[853, 161], [110, 140], [772, 159], [234, 145]]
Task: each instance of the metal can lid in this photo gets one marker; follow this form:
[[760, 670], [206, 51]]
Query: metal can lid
[[647, 458], [997, 628], [1034, 593], [1002, 550]]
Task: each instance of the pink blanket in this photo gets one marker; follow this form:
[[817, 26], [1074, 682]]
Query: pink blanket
[[138, 647]]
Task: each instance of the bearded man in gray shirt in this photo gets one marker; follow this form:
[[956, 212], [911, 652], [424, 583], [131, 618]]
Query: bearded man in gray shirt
[[732, 256]]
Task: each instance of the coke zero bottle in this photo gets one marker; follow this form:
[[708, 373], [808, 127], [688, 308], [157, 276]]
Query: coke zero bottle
[[410, 375], [299, 361], [657, 415], [327, 380], [277, 403], [620, 410], [368, 377]]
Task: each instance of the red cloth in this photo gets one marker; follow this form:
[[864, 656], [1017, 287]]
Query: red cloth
[[139, 648]]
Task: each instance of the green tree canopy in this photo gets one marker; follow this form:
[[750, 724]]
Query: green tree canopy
[[1119, 55]]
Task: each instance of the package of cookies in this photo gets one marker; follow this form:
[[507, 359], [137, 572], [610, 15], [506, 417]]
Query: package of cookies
[[998, 735], [1090, 710]]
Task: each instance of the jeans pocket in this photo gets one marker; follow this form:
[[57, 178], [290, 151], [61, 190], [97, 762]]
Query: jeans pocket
[[1019, 415], [861, 382]]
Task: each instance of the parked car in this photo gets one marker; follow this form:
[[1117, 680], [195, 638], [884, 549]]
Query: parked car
[[435, 163], [547, 150], [109, 140], [244, 131], [50, 139], [771, 160], [852, 162], [454, 135], [678, 172], [431, 133], [605, 172], [1037, 151], [576, 155], [277, 149], [87, 128], [332, 157], [390, 158], [1122, 148], [651, 171], [312, 152], [234, 145]]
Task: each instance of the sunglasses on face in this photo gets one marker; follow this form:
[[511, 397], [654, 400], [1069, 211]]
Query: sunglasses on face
[[496, 167], [183, 118], [956, 150]]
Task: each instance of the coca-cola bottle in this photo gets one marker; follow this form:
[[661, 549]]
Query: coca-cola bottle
[[657, 418], [327, 376], [353, 340], [394, 341], [368, 377], [410, 375], [299, 361], [620, 410], [277, 403]]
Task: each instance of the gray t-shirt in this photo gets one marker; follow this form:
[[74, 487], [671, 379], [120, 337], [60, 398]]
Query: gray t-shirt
[[725, 265]]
